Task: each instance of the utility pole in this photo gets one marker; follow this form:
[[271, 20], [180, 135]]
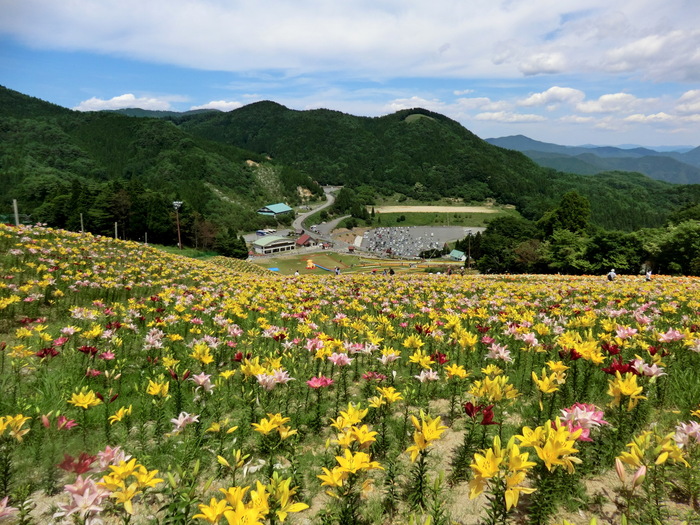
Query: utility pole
[[469, 250], [177, 205]]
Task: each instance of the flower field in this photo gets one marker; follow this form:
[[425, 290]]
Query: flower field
[[142, 387]]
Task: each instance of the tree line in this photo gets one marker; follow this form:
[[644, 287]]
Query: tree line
[[565, 241]]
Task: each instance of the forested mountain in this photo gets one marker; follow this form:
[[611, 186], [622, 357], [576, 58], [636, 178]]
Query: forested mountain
[[426, 155], [111, 168], [15, 104], [669, 166], [523, 144], [693, 156], [657, 167]]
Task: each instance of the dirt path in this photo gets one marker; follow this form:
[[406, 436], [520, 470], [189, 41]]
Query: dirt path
[[435, 209]]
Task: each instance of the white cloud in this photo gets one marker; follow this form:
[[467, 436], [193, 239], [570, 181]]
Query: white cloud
[[691, 118], [222, 105], [663, 55], [610, 124], [689, 102], [554, 95], [612, 103], [460, 108], [415, 102], [128, 100], [543, 63], [482, 103], [577, 119], [509, 117], [374, 38], [648, 119]]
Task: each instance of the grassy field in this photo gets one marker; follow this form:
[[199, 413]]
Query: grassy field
[[476, 220], [186, 252], [399, 199], [439, 217], [348, 264], [288, 264]]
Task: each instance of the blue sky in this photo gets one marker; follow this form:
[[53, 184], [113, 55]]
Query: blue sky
[[564, 71]]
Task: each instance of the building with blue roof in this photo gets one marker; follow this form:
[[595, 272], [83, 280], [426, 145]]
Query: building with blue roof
[[457, 255], [273, 210]]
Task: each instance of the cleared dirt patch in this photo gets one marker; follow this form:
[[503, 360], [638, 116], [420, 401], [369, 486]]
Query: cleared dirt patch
[[435, 209]]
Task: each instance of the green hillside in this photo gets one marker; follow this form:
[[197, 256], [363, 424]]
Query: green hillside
[[16, 104], [108, 167], [111, 168], [428, 158]]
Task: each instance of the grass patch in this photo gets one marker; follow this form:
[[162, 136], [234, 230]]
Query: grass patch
[[415, 117], [192, 253], [314, 218], [287, 265], [399, 199], [475, 220], [350, 264]]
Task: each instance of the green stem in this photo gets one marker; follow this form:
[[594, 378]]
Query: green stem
[[5, 467], [551, 405], [83, 424]]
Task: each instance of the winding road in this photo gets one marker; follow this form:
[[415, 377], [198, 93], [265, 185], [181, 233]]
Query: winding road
[[323, 231]]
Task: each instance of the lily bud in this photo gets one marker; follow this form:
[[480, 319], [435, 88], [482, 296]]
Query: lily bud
[[639, 476], [620, 469]]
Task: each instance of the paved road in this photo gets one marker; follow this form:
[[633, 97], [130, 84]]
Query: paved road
[[322, 231], [411, 235], [298, 223]]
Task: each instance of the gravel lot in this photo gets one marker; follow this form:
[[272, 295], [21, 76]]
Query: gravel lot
[[409, 241]]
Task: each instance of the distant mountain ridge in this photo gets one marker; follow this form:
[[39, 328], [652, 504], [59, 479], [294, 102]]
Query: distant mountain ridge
[[670, 166], [153, 113]]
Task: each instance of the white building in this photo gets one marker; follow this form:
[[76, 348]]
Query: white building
[[273, 244]]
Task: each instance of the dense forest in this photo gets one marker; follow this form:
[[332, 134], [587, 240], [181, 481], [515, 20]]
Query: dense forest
[[91, 170], [564, 241], [64, 167], [425, 155]]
